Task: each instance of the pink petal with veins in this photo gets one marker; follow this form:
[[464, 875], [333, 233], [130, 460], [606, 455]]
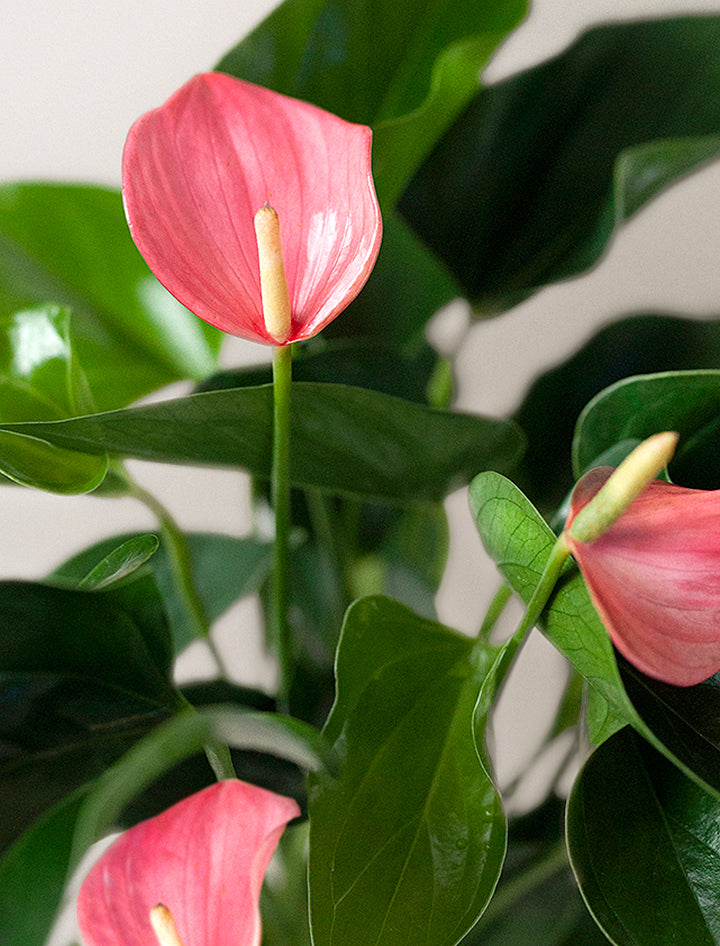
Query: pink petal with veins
[[197, 169], [654, 578], [204, 859]]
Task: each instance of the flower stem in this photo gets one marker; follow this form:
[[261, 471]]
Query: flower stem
[[280, 493], [178, 552], [539, 598], [497, 606]]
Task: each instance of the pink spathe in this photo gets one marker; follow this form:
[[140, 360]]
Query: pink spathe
[[196, 171], [204, 859], [654, 578]]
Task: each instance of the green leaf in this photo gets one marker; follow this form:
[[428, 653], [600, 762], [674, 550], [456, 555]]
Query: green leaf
[[685, 401], [36, 357], [34, 462], [638, 344], [368, 363], [529, 184], [33, 874], [519, 541], [224, 569], [406, 70], [55, 630], [70, 244], [406, 844], [58, 731], [121, 562], [652, 879], [82, 675], [343, 440]]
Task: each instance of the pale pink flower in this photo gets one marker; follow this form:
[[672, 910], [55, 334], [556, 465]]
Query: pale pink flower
[[196, 171], [204, 859], [654, 578]]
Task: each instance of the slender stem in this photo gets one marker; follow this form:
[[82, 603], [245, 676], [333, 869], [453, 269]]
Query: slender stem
[[178, 552], [280, 492], [497, 606], [217, 753], [539, 598]]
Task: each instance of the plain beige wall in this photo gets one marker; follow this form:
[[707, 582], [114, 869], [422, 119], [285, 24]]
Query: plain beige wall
[[75, 74]]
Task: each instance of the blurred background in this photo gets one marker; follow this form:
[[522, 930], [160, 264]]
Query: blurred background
[[75, 74]]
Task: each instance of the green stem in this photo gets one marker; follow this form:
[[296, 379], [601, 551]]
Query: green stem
[[497, 606], [539, 598], [280, 492], [217, 753], [178, 552]]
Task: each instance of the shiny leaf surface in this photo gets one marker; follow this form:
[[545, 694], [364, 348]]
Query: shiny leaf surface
[[69, 244], [527, 186], [653, 878], [408, 840], [344, 440]]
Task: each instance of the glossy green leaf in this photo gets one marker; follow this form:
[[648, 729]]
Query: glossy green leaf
[[639, 344], [343, 440], [37, 463], [685, 401], [519, 541], [406, 70], [224, 569], [185, 735], [407, 842], [121, 562], [529, 184], [36, 358], [69, 244], [82, 675], [33, 874], [652, 879], [44, 629]]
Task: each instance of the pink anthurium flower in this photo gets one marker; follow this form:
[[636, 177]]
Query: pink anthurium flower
[[198, 169], [203, 861], [654, 577]]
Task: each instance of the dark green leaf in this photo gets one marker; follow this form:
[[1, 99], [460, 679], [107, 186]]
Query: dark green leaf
[[685, 401], [224, 569], [33, 874], [98, 636], [640, 344], [406, 70], [344, 440], [70, 244], [528, 185], [407, 843], [652, 879], [58, 731]]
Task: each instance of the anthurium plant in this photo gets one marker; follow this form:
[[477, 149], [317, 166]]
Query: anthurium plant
[[337, 179]]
